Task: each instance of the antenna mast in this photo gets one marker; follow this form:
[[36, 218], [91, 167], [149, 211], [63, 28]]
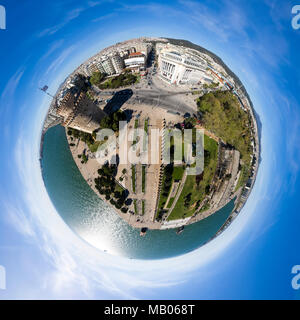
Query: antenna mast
[[44, 89]]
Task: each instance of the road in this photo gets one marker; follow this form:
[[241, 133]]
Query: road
[[157, 98], [161, 99], [151, 91]]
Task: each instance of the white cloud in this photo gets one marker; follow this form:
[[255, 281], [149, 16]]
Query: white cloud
[[68, 17], [56, 64], [11, 87]]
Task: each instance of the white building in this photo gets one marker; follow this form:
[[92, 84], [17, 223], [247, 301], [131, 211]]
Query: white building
[[108, 66], [90, 68], [182, 68], [100, 67], [111, 60], [117, 62], [136, 61]]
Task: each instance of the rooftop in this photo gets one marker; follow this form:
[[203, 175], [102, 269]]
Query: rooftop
[[136, 54]]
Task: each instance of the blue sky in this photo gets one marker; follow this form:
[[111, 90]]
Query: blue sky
[[46, 41]]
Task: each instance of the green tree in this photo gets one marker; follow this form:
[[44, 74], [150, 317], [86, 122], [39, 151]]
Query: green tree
[[97, 78]]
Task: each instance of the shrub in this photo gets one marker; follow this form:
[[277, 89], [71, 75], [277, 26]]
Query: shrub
[[124, 210]]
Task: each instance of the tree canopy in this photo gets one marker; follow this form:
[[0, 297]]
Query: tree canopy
[[97, 78], [112, 121]]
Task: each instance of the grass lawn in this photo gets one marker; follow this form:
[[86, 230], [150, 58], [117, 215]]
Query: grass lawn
[[133, 177], [143, 207], [178, 173], [170, 202], [135, 206], [146, 125], [243, 177], [193, 193], [119, 187], [143, 178], [136, 124], [162, 197], [146, 133], [122, 80]]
